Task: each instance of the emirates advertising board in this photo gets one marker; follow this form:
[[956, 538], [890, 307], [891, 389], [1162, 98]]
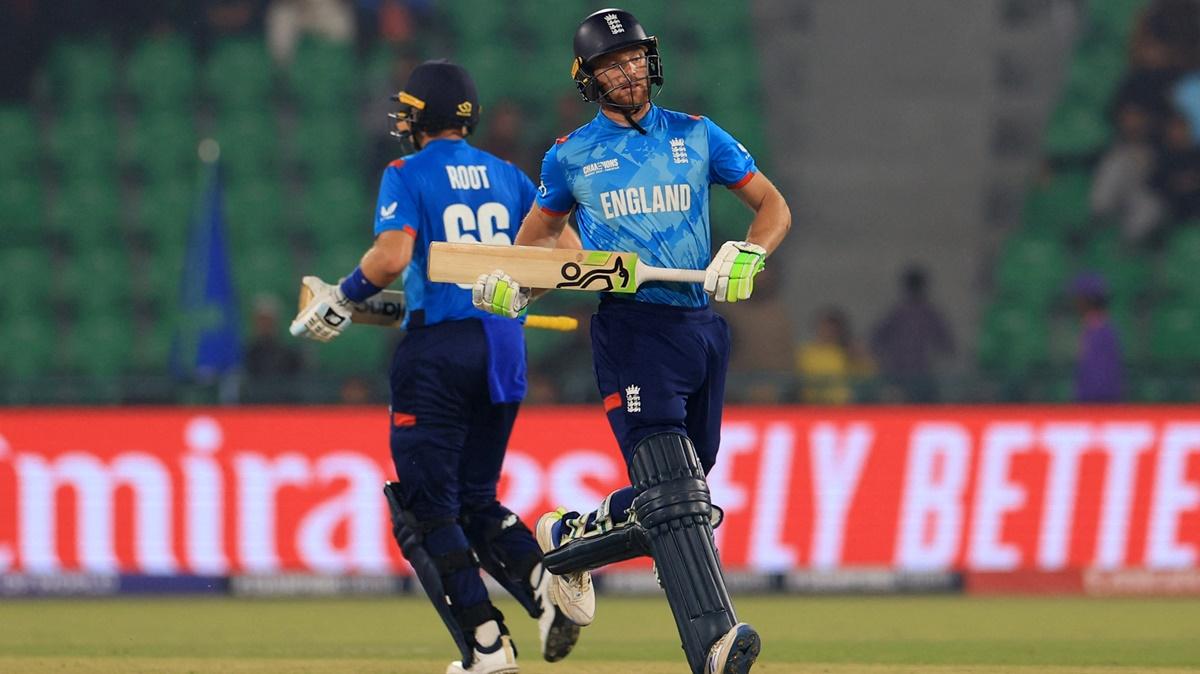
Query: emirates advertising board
[[297, 490]]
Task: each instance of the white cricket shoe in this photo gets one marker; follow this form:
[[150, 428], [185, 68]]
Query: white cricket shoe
[[735, 652], [499, 658], [572, 593], [557, 632]]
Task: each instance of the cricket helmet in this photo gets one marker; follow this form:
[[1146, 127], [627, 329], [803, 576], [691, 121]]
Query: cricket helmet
[[604, 32], [438, 95]]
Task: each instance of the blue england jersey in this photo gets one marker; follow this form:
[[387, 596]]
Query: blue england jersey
[[449, 191], [646, 194]]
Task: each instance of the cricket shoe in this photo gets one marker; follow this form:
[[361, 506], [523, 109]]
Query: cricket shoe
[[735, 652], [499, 658], [557, 632], [572, 593]]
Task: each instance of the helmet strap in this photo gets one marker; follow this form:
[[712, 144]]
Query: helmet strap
[[634, 124]]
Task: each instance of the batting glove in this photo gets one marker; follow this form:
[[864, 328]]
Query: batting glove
[[326, 315], [730, 276], [496, 293]]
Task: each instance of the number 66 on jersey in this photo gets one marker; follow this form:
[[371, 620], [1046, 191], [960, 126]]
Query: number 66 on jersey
[[564, 269]]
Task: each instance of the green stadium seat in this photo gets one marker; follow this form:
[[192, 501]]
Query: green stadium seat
[[153, 345], [83, 73], [164, 214], [337, 210], [1031, 271], [34, 338], [96, 280], [160, 278], [1113, 20], [21, 204], [323, 74], [1127, 271], [1060, 206], [99, 345], [265, 268], [239, 74], [161, 73], [336, 261], [84, 144], [19, 270], [19, 138], [1180, 263], [329, 144], [1014, 340], [1173, 331], [477, 22], [249, 144], [254, 213], [1077, 129], [164, 146], [87, 214]]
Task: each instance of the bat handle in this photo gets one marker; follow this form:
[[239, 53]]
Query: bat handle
[[677, 275]]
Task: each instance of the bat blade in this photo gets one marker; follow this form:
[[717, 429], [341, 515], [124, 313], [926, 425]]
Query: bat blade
[[536, 267]]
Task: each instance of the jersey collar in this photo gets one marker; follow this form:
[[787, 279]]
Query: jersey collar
[[651, 119]]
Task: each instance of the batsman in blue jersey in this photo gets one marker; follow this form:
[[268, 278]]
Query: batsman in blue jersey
[[457, 377], [637, 178]]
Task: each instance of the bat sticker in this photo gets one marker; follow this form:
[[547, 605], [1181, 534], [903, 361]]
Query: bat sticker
[[577, 279]]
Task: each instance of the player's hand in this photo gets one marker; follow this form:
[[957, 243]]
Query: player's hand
[[325, 315], [730, 276], [496, 293]]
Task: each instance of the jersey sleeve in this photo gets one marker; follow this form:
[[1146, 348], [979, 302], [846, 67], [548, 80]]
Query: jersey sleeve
[[554, 194], [397, 206], [729, 162]]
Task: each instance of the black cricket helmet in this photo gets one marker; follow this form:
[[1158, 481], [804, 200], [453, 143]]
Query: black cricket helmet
[[438, 95], [604, 32]]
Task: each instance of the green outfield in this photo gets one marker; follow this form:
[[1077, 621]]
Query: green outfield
[[876, 635]]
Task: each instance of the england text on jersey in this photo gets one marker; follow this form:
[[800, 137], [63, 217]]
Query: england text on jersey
[[635, 200]]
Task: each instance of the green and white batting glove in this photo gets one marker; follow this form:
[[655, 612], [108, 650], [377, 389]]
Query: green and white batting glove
[[496, 293], [325, 315], [730, 276]]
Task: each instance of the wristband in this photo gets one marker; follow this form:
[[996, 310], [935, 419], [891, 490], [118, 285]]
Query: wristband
[[357, 287]]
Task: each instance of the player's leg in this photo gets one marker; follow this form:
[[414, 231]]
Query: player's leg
[[504, 544], [427, 436], [737, 649]]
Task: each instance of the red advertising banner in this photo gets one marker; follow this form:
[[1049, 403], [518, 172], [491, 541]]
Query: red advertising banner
[[984, 489]]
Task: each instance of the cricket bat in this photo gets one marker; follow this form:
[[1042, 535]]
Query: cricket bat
[[386, 309], [560, 268]]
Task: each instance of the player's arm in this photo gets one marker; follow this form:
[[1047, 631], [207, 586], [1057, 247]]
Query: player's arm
[[388, 257], [772, 217], [542, 227]]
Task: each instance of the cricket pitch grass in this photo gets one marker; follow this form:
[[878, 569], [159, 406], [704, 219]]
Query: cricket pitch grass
[[840, 635]]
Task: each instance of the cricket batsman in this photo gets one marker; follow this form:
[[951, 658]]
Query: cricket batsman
[[457, 377], [637, 177]]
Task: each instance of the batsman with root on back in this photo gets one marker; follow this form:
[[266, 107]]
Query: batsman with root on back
[[457, 377], [638, 177]]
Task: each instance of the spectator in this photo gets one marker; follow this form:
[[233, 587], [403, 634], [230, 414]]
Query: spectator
[[268, 357], [1098, 372], [909, 337], [1177, 177], [1121, 187], [829, 363], [288, 20]]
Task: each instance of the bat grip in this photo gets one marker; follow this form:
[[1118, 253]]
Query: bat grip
[[678, 275]]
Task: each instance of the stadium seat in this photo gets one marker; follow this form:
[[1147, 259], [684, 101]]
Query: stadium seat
[[323, 75], [1173, 330], [1060, 206], [265, 268], [84, 144], [19, 266], [160, 277], [336, 261], [1180, 262], [34, 337], [87, 214], [161, 73], [1076, 130], [337, 210], [83, 73], [163, 145], [238, 74], [21, 204], [164, 213], [19, 138], [1127, 271], [1031, 271], [1113, 20], [1013, 340], [254, 213], [249, 144], [1093, 76], [96, 281], [99, 345], [328, 144]]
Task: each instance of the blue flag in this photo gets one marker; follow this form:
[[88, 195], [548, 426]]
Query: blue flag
[[207, 340]]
